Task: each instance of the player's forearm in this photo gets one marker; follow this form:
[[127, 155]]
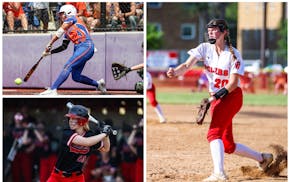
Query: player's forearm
[[63, 47], [38, 135], [107, 145], [89, 141], [25, 139], [182, 68], [138, 66], [233, 82], [131, 137], [54, 38]]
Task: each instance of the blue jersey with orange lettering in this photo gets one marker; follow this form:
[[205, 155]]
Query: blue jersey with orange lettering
[[83, 51], [77, 32], [72, 157]]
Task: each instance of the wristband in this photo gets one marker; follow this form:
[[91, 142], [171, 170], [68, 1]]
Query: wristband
[[221, 93], [59, 32], [128, 70]]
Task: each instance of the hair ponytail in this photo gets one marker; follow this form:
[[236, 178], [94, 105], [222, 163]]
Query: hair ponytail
[[229, 44]]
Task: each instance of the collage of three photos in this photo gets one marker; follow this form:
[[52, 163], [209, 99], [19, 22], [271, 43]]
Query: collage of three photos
[[144, 91]]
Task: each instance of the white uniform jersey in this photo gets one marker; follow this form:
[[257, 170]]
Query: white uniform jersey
[[148, 81], [218, 67]]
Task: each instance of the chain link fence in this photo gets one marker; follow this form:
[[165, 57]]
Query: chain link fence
[[98, 16]]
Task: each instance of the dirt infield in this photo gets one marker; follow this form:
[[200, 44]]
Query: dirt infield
[[16, 91], [178, 150]]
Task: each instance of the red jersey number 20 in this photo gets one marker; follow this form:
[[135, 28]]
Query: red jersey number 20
[[219, 83]]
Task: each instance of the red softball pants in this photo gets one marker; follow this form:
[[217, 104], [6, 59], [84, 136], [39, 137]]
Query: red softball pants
[[151, 95], [222, 111]]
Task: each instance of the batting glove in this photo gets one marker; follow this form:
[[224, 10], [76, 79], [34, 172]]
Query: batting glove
[[107, 129], [48, 47], [44, 54]]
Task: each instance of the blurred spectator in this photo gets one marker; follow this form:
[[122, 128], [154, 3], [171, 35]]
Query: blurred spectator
[[41, 12], [112, 15], [33, 22], [55, 15], [202, 81], [280, 82], [135, 142], [139, 12], [127, 156], [44, 152], [90, 165], [22, 165], [126, 13], [247, 82], [14, 12], [94, 15], [81, 9], [105, 171]]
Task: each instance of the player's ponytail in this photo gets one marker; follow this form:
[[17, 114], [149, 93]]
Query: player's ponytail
[[229, 44]]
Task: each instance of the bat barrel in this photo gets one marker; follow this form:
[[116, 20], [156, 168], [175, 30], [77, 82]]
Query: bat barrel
[[115, 132]]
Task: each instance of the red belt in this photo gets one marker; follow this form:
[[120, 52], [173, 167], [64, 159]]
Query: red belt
[[67, 174]]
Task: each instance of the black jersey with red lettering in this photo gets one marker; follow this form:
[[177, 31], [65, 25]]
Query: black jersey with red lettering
[[72, 157]]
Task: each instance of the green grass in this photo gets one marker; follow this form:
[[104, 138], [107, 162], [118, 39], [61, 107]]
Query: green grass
[[195, 98]]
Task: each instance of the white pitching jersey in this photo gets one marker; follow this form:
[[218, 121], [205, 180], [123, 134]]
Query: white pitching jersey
[[148, 81], [218, 67]]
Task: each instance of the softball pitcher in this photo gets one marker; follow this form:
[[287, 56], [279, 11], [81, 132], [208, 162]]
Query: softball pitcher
[[224, 66], [73, 30], [77, 144]]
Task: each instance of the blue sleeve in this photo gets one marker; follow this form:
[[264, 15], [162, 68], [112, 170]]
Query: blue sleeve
[[72, 20]]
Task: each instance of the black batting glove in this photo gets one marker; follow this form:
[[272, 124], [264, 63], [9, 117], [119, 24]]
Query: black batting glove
[[107, 129]]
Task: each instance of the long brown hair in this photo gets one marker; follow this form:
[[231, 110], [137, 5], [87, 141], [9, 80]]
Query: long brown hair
[[223, 25], [229, 44]]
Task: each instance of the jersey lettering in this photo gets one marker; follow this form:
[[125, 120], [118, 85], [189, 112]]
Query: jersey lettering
[[219, 83], [78, 149], [217, 71], [82, 159]]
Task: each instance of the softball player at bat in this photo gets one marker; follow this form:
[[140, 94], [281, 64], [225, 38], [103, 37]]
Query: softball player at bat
[[223, 65], [78, 142], [73, 30]]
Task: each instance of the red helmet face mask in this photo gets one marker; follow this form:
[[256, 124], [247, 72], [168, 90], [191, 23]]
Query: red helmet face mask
[[80, 113]]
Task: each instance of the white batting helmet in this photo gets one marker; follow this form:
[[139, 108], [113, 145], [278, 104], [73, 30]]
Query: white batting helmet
[[68, 10]]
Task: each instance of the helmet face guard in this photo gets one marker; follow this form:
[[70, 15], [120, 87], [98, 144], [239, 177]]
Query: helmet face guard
[[80, 113], [220, 23]]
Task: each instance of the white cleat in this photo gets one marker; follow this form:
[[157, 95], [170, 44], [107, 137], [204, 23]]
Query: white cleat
[[162, 120], [102, 86], [49, 92], [267, 160], [216, 177]]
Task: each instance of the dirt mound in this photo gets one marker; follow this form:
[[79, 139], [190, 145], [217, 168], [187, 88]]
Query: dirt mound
[[277, 166], [179, 151]]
